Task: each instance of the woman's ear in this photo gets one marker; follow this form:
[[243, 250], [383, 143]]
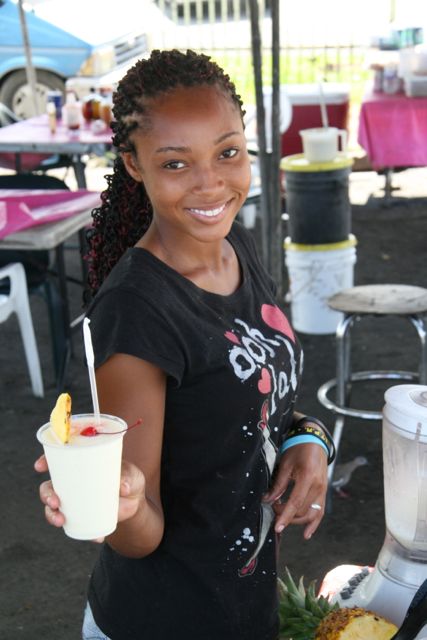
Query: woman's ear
[[131, 165]]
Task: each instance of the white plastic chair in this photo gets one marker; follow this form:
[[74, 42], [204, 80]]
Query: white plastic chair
[[17, 302]]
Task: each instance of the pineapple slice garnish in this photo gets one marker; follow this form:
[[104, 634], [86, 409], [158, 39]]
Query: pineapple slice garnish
[[60, 418]]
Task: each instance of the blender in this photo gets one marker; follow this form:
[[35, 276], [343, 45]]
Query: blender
[[401, 567]]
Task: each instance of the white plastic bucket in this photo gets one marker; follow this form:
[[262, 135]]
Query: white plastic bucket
[[249, 212], [317, 272]]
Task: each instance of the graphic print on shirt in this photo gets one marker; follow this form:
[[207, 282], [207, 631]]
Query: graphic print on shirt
[[269, 451], [271, 361]]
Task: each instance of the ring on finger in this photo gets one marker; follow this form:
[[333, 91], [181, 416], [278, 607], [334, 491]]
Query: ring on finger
[[316, 506]]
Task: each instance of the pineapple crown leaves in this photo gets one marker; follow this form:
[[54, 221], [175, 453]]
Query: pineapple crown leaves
[[300, 610]]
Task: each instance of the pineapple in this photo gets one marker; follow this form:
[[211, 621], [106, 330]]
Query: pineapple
[[60, 418], [355, 624], [304, 616]]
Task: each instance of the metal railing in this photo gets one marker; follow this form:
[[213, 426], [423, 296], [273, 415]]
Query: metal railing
[[221, 29]]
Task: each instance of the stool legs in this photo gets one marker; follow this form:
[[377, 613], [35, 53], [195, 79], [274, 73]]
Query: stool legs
[[345, 377], [419, 324], [343, 355], [343, 382]]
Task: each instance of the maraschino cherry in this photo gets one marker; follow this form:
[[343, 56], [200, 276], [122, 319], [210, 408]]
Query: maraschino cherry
[[90, 431]]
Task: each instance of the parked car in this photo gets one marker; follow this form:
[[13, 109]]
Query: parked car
[[58, 54]]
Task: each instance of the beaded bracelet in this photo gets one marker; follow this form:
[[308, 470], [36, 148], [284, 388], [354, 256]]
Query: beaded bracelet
[[314, 431], [319, 432], [324, 434]]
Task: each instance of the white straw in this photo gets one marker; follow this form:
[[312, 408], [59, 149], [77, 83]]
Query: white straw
[[323, 110], [90, 359]]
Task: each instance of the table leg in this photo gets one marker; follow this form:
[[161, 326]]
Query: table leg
[[83, 250], [63, 290], [18, 163], [79, 171], [388, 188]]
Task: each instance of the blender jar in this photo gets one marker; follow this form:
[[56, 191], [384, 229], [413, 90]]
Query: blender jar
[[405, 467]]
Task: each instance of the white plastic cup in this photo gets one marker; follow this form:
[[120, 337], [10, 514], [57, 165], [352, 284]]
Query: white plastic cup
[[322, 144], [85, 474]]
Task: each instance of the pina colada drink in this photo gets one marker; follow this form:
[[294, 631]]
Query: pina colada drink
[[85, 473]]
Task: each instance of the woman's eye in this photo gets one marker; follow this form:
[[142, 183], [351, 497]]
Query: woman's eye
[[174, 164], [229, 153]]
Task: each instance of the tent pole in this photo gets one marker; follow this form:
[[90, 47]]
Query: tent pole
[[31, 73], [275, 213], [260, 113]]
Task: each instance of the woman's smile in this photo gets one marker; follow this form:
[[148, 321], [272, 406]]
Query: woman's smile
[[210, 211]]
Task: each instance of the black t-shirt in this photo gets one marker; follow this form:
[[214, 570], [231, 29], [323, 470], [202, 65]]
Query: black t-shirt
[[233, 367]]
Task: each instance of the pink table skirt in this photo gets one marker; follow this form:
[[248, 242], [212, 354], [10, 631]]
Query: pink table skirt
[[24, 208], [393, 130]]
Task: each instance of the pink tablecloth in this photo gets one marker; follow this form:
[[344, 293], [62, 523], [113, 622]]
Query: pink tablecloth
[[24, 208], [34, 132], [393, 130]]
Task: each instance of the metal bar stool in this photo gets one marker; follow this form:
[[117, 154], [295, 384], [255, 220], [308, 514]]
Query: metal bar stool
[[406, 301]]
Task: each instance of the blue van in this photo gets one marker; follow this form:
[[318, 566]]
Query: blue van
[[56, 56]]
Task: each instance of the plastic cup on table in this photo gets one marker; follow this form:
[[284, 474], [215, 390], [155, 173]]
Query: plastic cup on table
[[321, 144]]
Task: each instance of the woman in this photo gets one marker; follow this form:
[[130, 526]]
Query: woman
[[189, 338]]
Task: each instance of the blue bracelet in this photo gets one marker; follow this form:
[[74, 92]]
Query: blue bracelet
[[303, 439]]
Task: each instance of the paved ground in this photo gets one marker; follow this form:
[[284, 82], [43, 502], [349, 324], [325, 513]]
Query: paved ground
[[44, 574]]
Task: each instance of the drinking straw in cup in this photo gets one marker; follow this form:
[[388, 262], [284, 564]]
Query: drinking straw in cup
[[90, 359], [323, 110]]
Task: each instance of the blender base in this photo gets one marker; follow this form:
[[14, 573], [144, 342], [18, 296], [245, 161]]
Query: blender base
[[377, 589], [377, 593]]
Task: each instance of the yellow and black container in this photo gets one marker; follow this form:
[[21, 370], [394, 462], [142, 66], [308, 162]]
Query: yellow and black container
[[317, 199]]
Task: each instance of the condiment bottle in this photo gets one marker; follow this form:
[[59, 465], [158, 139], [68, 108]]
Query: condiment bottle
[[71, 111], [391, 81], [51, 114], [106, 105], [91, 106]]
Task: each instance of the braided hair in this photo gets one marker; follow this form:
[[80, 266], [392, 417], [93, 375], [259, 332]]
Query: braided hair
[[125, 212]]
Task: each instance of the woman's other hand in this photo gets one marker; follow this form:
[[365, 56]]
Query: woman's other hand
[[302, 471]]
